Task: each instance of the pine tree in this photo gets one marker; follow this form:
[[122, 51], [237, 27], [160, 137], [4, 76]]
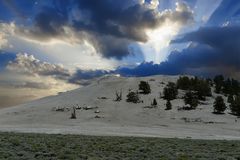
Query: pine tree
[[191, 99], [235, 106], [168, 105], [144, 87], [219, 81], [133, 97], [230, 98], [219, 105], [170, 91]]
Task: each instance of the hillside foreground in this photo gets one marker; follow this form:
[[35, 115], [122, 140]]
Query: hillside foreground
[[102, 116]]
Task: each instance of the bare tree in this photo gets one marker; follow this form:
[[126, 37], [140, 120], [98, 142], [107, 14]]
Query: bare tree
[[73, 114], [118, 96]]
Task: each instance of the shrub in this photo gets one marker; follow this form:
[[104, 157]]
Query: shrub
[[133, 97], [219, 105], [170, 91], [191, 99], [235, 106], [168, 105], [144, 87]]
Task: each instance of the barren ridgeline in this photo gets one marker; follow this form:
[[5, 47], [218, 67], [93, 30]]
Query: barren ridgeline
[[157, 106]]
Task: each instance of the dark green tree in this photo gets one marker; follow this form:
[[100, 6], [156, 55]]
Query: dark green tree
[[191, 99], [144, 87], [170, 91], [133, 97], [183, 83], [235, 106], [230, 98], [219, 105], [168, 105], [203, 89], [219, 81], [201, 86]]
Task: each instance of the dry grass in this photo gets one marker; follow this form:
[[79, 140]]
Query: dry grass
[[44, 146]]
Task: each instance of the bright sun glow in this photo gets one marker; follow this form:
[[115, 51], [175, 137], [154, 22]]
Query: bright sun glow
[[158, 40]]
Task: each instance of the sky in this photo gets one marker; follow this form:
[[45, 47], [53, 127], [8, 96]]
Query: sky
[[53, 46]]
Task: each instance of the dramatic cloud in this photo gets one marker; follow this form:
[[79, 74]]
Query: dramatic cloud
[[24, 76], [84, 77], [5, 30], [28, 64], [109, 26], [222, 40], [208, 54]]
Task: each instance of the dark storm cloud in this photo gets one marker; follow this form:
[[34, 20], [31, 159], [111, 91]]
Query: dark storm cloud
[[223, 40], [214, 50], [84, 77], [109, 25]]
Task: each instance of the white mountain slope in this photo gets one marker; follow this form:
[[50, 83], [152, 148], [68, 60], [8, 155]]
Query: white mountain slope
[[120, 118]]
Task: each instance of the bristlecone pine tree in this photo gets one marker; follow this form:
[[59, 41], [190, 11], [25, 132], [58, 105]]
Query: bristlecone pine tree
[[235, 106], [170, 91], [230, 98], [118, 96], [219, 105], [144, 87], [191, 99], [133, 97], [168, 105]]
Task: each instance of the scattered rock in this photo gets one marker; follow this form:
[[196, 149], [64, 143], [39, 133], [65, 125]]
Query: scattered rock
[[89, 107], [102, 98], [78, 107], [60, 109], [150, 107], [97, 116], [188, 120], [97, 111]]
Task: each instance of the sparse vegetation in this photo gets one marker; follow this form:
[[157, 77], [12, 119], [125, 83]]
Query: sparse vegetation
[[235, 106], [16, 146], [144, 87], [228, 86], [73, 114], [201, 87], [118, 96], [170, 91], [168, 105], [219, 105], [133, 97], [191, 99], [219, 81], [230, 98], [154, 102]]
